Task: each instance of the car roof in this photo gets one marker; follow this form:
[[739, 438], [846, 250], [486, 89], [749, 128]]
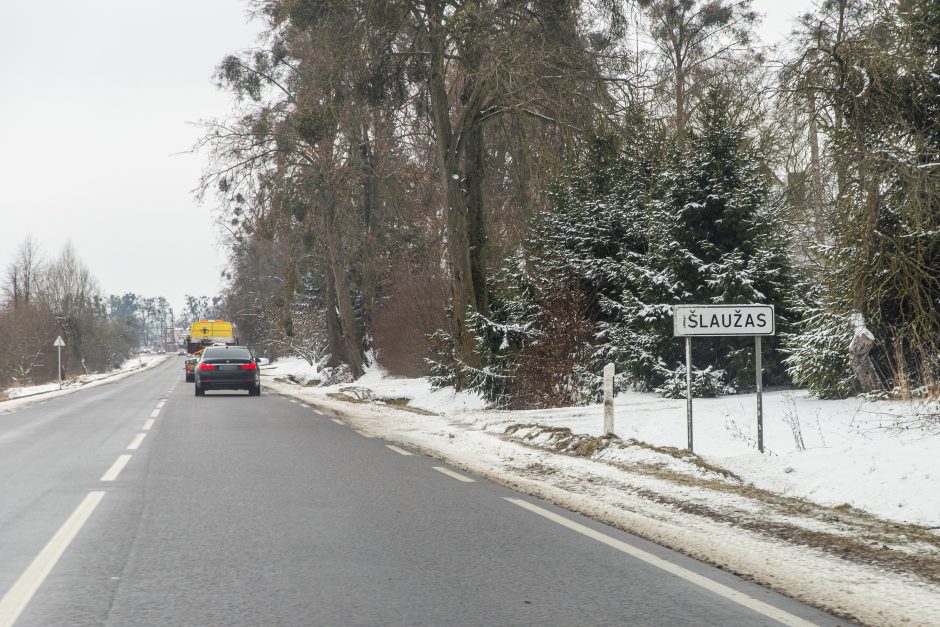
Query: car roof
[[221, 348]]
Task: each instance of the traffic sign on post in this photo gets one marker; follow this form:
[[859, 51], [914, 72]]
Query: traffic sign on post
[[724, 321], [59, 343]]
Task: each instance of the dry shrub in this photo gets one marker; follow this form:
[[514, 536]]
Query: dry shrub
[[546, 372], [412, 310]]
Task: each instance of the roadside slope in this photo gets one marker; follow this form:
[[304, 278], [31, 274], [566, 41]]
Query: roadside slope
[[80, 383]]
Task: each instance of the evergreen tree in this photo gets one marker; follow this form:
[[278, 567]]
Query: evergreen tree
[[643, 228], [720, 240]]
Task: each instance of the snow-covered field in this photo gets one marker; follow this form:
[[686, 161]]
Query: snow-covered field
[[17, 396], [819, 516]]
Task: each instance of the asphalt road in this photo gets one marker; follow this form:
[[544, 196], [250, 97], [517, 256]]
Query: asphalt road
[[230, 510]]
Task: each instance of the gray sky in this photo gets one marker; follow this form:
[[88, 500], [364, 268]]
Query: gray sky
[[97, 99]]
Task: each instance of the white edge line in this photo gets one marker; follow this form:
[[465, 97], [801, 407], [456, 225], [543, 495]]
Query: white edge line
[[364, 434], [148, 424], [305, 405], [400, 451], [18, 597], [136, 442], [155, 413], [161, 404], [674, 569], [451, 473], [116, 468], [339, 422]]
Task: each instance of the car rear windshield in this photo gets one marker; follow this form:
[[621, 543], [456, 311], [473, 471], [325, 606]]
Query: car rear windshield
[[231, 352]]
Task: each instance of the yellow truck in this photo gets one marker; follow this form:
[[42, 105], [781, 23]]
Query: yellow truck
[[204, 333]]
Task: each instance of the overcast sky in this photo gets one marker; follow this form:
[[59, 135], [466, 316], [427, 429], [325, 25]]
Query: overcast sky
[[97, 98]]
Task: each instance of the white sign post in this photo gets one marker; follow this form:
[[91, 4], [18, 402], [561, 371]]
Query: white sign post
[[724, 321], [609, 399], [59, 343]]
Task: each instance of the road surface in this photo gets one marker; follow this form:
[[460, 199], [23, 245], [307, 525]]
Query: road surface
[[137, 503]]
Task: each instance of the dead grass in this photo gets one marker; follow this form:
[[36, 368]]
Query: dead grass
[[339, 396], [402, 403]]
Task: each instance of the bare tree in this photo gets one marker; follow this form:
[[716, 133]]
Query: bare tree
[[694, 40], [23, 273]]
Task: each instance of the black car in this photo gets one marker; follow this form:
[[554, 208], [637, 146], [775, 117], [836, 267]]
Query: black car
[[189, 367], [227, 368]]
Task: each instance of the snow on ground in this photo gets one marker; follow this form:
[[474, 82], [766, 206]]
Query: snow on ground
[[23, 395], [377, 385], [293, 369], [750, 513], [845, 452]]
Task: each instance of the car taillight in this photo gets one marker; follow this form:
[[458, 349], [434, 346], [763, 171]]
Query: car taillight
[[250, 366], [207, 367]]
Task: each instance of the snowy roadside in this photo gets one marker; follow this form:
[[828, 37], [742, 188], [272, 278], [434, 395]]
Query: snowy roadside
[[18, 398], [838, 558]]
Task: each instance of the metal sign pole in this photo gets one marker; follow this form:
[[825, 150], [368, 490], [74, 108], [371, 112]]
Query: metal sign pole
[[59, 343], [760, 405], [688, 385], [750, 319]]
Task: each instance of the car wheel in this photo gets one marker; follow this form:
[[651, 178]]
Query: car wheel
[[199, 390], [190, 378], [254, 390]]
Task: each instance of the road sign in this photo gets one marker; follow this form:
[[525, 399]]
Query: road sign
[[689, 321], [59, 343], [723, 320]]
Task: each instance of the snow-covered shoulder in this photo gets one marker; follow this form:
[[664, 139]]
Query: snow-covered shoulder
[[22, 395]]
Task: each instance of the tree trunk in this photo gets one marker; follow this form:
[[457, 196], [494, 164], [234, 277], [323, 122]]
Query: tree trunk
[[337, 349], [859, 355], [680, 104], [370, 216], [352, 343], [816, 195], [474, 166], [456, 210]]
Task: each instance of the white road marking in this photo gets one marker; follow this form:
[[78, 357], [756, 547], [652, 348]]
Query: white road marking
[[674, 569], [161, 404], [136, 442], [363, 434], [116, 468], [339, 422], [155, 413], [451, 473], [305, 405], [18, 597], [400, 451], [148, 424], [292, 400]]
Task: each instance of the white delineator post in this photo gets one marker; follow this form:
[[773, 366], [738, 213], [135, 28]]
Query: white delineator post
[[609, 399]]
